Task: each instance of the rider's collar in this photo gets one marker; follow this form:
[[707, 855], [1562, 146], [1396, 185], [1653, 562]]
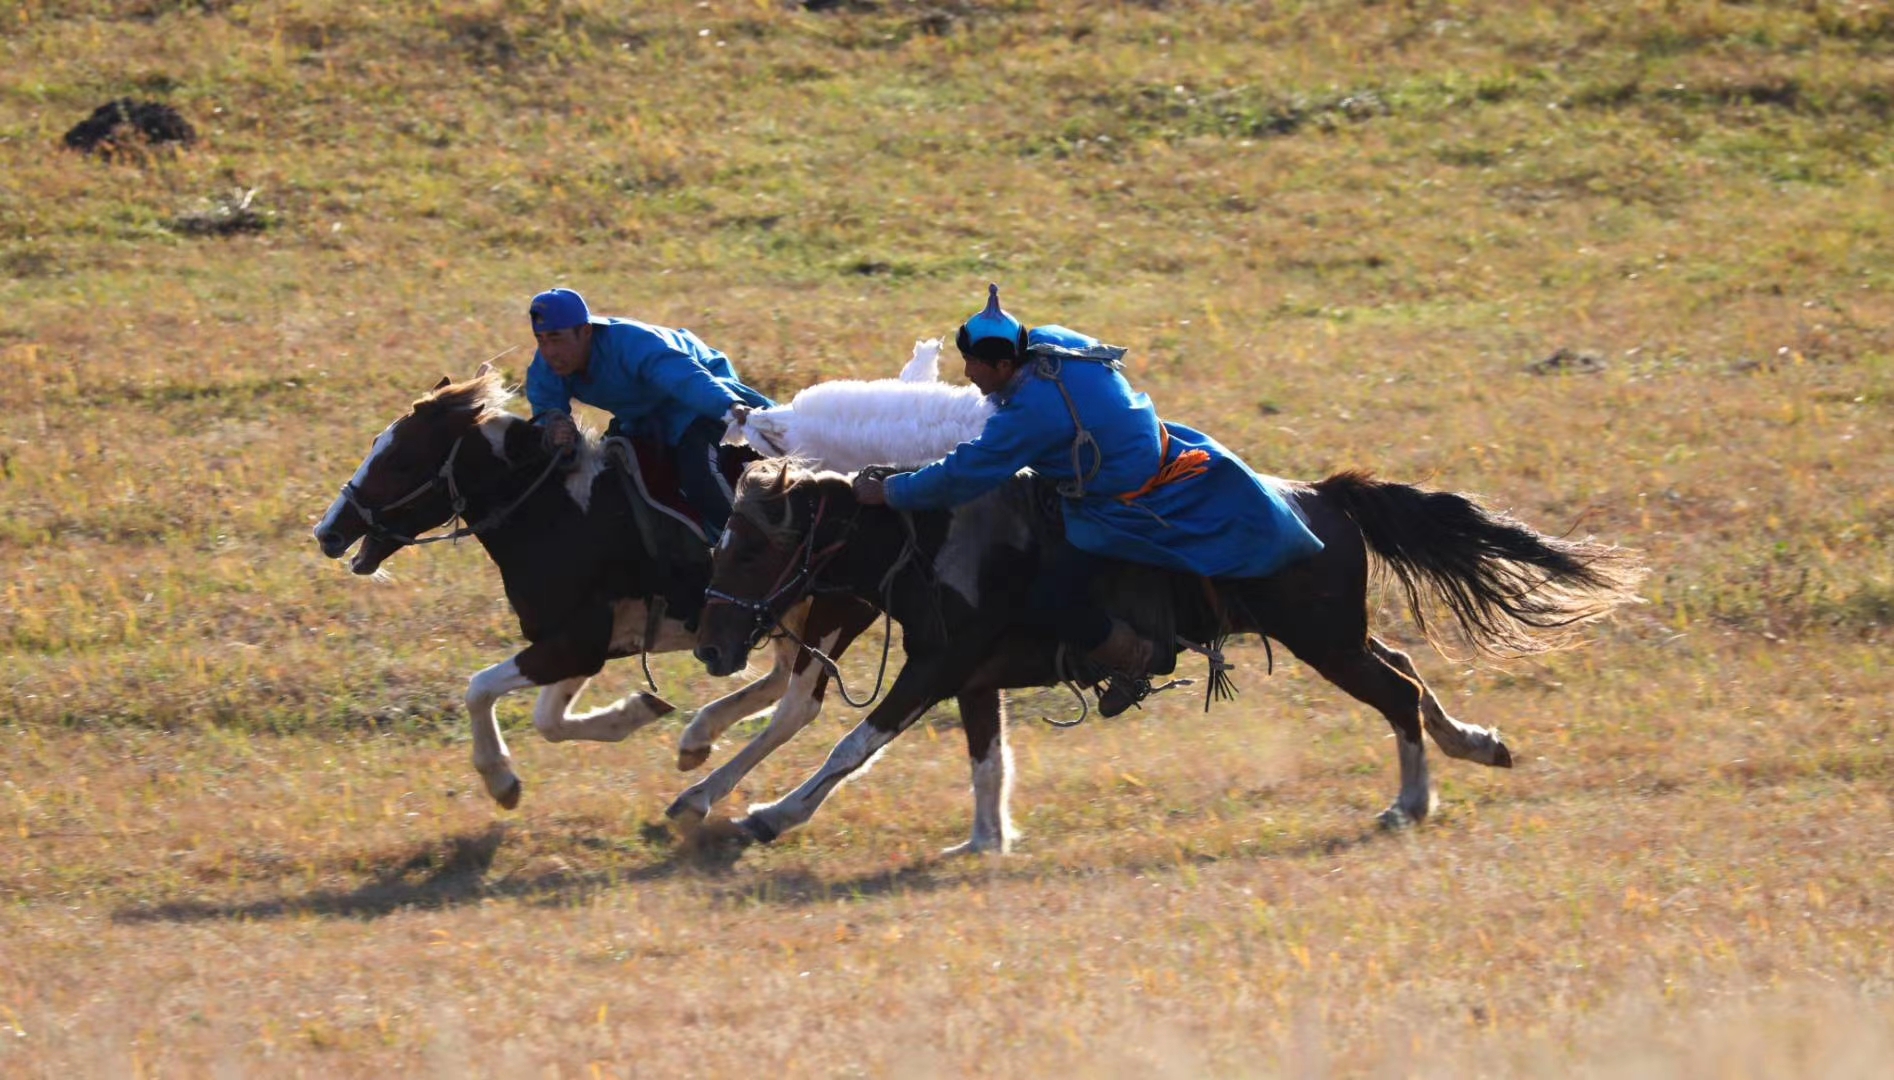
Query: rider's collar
[[1005, 393]]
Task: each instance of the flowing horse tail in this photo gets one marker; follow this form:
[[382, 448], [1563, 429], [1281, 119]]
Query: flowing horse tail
[[1513, 590]]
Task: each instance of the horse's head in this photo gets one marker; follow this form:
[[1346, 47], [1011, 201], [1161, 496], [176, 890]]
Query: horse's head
[[404, 486], [787, 524]]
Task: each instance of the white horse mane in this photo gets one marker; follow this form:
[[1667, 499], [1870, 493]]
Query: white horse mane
[[849, 424], [483, 395]]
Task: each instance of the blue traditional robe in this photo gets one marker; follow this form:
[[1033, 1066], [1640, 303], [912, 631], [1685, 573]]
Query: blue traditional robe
[[650, 378], [1208, 514]]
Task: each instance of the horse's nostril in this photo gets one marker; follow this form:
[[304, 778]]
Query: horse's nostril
[[706, 655]]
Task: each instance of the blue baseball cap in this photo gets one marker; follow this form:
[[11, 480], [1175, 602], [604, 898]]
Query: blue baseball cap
[[992, 334], [558, 309]]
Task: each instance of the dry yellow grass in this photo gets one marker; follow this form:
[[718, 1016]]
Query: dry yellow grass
[[238, 833]]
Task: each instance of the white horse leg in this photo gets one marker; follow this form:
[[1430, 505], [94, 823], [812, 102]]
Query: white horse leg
[[1372, 680], [799, 705], [554, 718], [693, 747], [1416, 799], [992, 793], [855, 752], [1455, 739], [490, 756]]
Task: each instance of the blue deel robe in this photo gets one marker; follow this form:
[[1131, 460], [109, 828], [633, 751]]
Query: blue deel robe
[[1225, 522], [650, 378]]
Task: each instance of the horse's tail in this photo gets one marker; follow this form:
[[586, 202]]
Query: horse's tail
[[1512, 589]]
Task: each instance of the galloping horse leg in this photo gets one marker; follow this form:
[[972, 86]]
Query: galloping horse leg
[[1455, 739], [799, 705], [562, 664], [1319, 610], [553, 715], [1373, 681], [490, 756], [912, 694], [983, 717], [1335, 642], [693, 746]]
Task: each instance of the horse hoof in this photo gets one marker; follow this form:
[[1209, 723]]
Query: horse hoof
[[691, 758], [757, 829], [657, 705], [1394, 819], [510, 798], [1502, 757], [685, 812]]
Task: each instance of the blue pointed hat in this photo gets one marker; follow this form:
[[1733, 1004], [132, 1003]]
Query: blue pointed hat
[[1004, 335]]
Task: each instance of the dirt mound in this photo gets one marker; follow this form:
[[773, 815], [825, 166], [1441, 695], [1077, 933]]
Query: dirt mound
[[117, 125]]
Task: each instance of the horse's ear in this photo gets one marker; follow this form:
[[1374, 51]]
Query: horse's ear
[[779, 492], [444, 382], [485, 369]]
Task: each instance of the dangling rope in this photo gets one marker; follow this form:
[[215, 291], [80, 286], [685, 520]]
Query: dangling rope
[[901, 562], [835, 670], [1050, 368], [1192, 462], [1219, 686], [1068, 679]]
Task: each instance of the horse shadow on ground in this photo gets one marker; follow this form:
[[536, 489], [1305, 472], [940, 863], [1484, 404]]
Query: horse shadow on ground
[[461, 872], [457, 871], [801, 887]]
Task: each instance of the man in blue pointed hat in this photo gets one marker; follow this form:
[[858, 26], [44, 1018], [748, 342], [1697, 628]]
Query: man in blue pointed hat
[[1134, 487], [654, 380]]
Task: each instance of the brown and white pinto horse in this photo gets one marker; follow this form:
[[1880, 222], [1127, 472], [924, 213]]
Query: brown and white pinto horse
[[575, 569], [953, 580]]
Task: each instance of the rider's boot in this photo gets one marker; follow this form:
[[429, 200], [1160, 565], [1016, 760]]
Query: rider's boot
[[1127, 655]]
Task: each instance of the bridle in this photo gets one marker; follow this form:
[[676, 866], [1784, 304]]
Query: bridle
[[764, 619], [457, 503]]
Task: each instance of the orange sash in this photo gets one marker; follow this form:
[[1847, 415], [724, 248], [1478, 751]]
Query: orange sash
[[1188, 464]]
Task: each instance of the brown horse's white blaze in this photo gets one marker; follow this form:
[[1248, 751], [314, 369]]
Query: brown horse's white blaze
[[330, 535]]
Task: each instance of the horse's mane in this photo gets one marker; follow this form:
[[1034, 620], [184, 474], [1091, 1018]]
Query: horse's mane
[[482, 395], [764, 484]]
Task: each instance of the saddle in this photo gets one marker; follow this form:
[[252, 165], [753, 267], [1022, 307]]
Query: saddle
[[672, 530], [652, 472], [1146, 597]]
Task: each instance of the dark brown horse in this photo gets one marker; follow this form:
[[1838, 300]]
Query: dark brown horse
[[952, 580], [578, 572]]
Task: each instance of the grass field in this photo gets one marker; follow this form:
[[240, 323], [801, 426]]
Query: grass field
[[239, 834]]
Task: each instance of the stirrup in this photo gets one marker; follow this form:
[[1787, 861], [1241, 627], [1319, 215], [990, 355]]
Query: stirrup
[[1121, 692]]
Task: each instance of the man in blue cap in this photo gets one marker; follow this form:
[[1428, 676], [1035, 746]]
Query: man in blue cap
[[654, 381], [1134, 487]]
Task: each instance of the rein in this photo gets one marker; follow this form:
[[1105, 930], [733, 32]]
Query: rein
[[767, 621], [457, 502]]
